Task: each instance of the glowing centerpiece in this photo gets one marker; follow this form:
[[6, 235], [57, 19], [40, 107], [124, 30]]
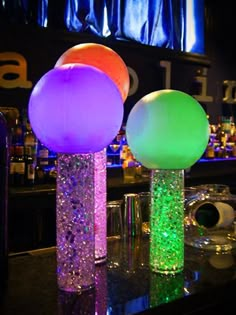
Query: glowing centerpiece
[[108, 61], [71, 115], [167, 131], [101, 57]]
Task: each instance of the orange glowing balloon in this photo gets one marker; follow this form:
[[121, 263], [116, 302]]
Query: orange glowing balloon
[[101, 57]]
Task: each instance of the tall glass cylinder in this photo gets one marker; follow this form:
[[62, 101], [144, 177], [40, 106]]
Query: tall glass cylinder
[[167, 221], [75, 222], [100, 220]]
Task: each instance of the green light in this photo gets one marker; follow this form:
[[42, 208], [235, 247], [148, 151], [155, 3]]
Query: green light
[[165, 288], [167, 129], [167, 221]]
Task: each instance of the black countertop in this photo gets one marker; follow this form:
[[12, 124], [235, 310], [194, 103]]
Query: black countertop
[[124, 284], [112, 182]]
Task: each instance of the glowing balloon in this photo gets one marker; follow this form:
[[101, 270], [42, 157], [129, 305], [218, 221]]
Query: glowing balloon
[[101, 57], [167, 129], [75, 109]]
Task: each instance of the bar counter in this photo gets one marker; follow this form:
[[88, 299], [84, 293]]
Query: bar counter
[[124, 284], [32, 209]]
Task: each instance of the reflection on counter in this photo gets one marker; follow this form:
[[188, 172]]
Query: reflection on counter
[[124, 284]]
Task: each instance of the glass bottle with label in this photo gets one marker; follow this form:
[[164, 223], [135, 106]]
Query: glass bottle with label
[[29, 167], [17, 133], [43, 155], [11, 165], [210, 150], [42, 164], [31, 141], [19, 166]]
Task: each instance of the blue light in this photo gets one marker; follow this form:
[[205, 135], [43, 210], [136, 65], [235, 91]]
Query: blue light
[[194, 36], [176, 25], [105, 29], [43, 13]]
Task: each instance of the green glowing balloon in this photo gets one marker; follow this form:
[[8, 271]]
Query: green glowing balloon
[[167, 129]]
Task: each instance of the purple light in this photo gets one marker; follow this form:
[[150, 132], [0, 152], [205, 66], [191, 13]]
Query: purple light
[[100, 199], [75, 222], [75, 108]]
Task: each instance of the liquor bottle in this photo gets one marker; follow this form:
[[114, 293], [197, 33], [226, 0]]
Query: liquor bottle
[[129, 166], [29, 167], [4, 164], [17, 133], [19, 166], [11, 165], [210, 150], [42, 164], [31, 141], [234, 150], [223, 145], [30, 147], [43, 155], [123, 144], [40, 177]]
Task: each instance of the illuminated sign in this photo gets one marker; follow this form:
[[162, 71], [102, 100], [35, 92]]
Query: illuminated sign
[[230, 92], [13, 74], [13, 71]]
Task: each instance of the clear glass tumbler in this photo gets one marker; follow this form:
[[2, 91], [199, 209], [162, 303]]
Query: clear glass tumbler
[[210, 218]]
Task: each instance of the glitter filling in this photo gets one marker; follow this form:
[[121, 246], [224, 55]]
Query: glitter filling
[[167, 221], [75, 222], [100, 186]]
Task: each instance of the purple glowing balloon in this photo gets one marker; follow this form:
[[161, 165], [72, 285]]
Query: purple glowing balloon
[[75, 109]]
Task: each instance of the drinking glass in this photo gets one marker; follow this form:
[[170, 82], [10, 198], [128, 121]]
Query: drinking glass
[[145, 203], [210, 218], [132, 215], [114, 220]]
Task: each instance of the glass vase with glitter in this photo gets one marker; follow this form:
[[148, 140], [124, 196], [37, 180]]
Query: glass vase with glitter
[[166, 221], [75, 222], [100, 219]]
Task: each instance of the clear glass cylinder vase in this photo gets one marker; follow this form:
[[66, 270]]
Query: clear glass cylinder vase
[[167, 221], [75, 222], [100, 220]]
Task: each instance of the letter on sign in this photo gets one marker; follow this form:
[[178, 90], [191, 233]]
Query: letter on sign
[[203, 97], [229, 97], [15, 64]]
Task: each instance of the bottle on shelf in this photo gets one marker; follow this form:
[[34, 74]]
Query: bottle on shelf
[[43, 155], [30, 150], [19, 166], [17, 136], [123, 144], [224, 136], [226, 122], [210, 150], [42, 164], [11, 165], [29, 167], [114, 152], [30, 141], [39, 175], [129, 165]]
